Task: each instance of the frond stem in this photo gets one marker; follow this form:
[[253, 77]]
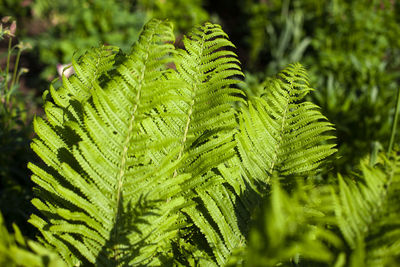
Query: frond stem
[[185, 134], [280, 136], [190, 110], [125, 152]]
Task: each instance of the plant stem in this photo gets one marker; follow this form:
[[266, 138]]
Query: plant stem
[[394, 126], [15, 69], [8, 64]]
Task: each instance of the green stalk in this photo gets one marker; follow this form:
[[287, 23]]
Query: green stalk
[[15, 68], [8, 63], [5, 94], [394, 126]]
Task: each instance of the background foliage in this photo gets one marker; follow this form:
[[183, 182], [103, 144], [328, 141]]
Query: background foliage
[[58, 29], [350, 48]]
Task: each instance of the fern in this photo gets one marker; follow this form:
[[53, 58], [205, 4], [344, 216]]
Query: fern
[[16, 251], [291, 227], [282, 133], [367, 212], [92, 158], [351, 223], [145, 164], [209, 128]]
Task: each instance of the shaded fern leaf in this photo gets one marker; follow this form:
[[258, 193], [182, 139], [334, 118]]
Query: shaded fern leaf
[[367, 212], [352, 223], [100, 189], [15, 250], [290, 228], [280, 132]]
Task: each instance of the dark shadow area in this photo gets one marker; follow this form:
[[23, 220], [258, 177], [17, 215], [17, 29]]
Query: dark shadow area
[[118, 250]]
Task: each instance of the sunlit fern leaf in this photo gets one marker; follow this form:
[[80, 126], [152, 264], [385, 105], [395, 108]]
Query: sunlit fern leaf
[[209, 68], [280, 131], [367, 211], [64, 103], [268, 124], [98, 175], [88, 69]]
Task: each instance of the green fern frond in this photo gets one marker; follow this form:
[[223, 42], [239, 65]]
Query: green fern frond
[[97, 165], [280, 132], [367, 211], [89, 68], [15, 250], [299, 150], [291, 228], [353, 223], [209, 70]]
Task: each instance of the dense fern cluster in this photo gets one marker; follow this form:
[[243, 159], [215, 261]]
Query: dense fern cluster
[[155, 157], [351, 223]]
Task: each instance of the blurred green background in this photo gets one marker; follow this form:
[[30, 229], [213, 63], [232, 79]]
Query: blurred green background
[[350, 47]]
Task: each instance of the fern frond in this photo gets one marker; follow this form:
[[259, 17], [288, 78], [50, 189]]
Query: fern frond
[[207, 95], [291, 228], [279, 135], [98, 165], [88, 69], [15, 250], [353, 223], [209, 70], [280, 132], [367, 211]]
